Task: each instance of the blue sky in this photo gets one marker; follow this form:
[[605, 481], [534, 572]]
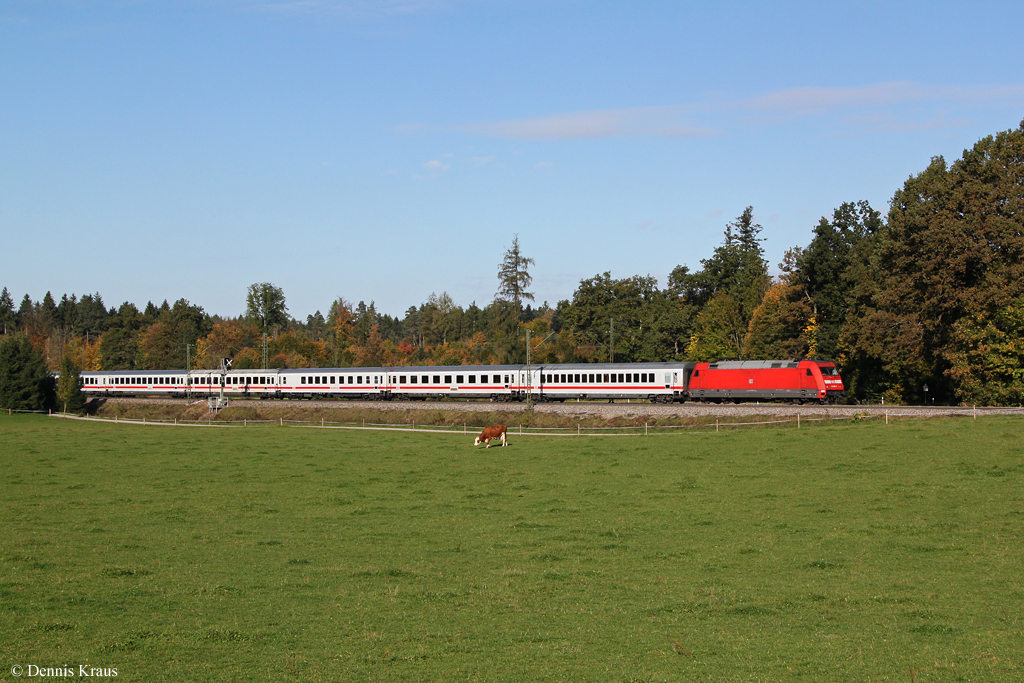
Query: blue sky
[[387, 149]]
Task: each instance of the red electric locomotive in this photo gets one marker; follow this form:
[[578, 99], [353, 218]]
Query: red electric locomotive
[[749, 380]]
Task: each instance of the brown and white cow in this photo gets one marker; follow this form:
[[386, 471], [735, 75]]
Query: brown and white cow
[[495, 432]]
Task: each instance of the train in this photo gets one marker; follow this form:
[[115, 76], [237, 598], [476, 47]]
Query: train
[[797, 381]]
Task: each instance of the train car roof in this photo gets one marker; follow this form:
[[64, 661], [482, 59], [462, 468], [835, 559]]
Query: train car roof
[[329, 370], [607, 366], [457, 368], [133, 372]]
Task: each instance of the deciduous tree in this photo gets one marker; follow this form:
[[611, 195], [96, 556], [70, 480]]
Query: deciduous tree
[[636, 306], [949, 270], [782, 326], [720, 329], [70, 398], [265, 305]]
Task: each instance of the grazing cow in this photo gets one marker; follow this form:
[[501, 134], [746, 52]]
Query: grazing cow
[[495, 432]]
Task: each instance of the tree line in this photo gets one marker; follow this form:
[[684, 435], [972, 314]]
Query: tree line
[[929, 295]]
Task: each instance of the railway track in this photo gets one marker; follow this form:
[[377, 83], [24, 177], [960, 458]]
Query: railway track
[[597, 408]]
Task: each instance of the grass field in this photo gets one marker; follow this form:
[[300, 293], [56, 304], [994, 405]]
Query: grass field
[[857, 552]]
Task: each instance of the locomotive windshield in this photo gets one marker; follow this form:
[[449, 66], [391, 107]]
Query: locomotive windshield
[[828, 370]]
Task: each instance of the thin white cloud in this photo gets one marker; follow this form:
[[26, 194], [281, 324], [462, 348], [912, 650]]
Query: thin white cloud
[[890, 124], [606, 123], [810, 101], [895, 106]]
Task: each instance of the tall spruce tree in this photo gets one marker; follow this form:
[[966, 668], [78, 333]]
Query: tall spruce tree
[[119, 348], [24, 382], [514, 277], [8, 321], [737, 276]]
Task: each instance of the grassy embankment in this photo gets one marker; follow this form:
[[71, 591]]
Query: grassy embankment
[[341, 412], [852, 552]]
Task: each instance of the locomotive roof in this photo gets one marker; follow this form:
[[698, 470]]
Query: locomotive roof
[[752, 364]]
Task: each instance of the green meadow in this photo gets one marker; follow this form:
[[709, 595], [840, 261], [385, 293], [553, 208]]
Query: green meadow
[[851, 552]]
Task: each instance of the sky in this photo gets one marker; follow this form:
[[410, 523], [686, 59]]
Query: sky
[[385, 150]]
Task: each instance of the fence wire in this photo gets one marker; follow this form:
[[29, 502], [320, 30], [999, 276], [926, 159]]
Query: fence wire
[[516, 430]]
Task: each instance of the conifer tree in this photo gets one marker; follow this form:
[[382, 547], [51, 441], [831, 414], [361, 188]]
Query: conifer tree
[[8, 323], [24, 382], [514, 276], [735, 280], [828, 270]]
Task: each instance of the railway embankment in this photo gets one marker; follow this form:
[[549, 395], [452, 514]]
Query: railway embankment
[[593, 415]]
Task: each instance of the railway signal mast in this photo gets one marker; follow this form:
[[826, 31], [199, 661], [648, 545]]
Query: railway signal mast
[[225, 365], [529, 369], [529, 374]]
